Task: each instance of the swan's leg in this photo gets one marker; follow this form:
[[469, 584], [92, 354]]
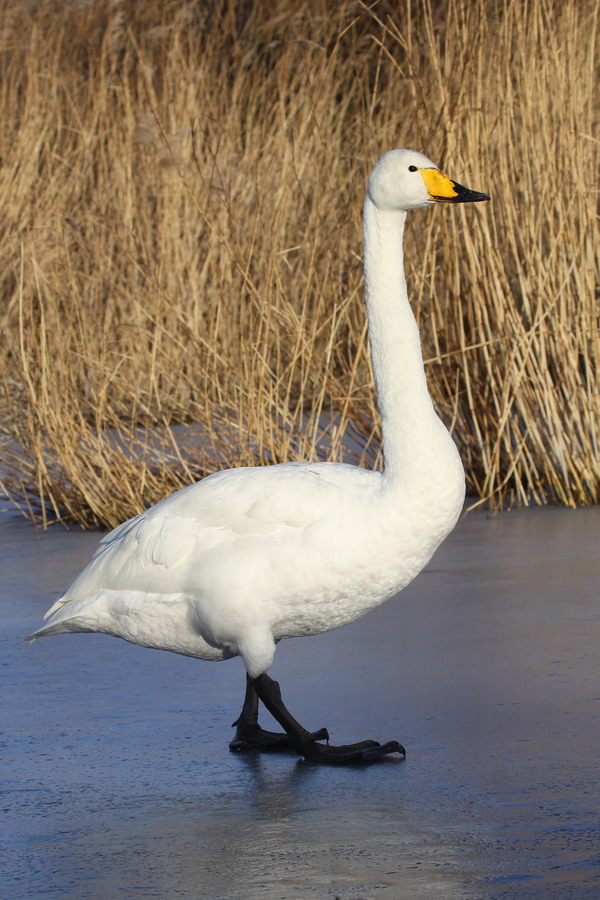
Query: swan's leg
[[304, 742], [250, 736]]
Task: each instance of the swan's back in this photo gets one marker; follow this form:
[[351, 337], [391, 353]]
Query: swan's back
[[225, 520]]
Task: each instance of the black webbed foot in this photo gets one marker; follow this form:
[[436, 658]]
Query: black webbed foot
[[361, 752], [303, 741], [251, 736]]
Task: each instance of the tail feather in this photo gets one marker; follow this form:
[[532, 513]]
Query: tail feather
[[65, 616], [46, 631]]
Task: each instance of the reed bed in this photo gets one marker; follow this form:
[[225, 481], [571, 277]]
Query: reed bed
[[180, 206]]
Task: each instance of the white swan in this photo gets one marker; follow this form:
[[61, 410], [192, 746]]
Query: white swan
[[248, 556]]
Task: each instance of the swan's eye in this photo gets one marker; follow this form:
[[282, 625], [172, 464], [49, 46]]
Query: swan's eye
[[412, 168]]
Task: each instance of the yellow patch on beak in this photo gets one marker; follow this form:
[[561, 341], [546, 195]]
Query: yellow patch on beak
[[439, 187]]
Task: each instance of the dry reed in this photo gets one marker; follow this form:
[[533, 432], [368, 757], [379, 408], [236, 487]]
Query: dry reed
[[180, 206]]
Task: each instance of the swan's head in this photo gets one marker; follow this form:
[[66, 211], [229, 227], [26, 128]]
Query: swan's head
[[406, 179]]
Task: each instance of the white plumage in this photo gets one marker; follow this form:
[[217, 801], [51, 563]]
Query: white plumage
[[232, 564]]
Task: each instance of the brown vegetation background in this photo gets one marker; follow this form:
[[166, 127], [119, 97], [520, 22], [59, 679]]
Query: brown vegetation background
[[180, 209]]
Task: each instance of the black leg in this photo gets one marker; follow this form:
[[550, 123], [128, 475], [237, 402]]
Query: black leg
[[304, 742], [250, 736]]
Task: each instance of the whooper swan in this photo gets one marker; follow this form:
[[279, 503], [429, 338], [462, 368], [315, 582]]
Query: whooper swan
[[236, 562]]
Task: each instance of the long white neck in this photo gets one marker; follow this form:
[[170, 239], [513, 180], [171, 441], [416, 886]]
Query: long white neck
[[411, 429]]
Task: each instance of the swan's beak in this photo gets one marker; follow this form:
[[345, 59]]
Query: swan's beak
[[442, 190]]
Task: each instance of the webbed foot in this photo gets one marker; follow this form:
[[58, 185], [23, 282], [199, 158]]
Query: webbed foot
[[303, 741], [361, 752], [251, 736]]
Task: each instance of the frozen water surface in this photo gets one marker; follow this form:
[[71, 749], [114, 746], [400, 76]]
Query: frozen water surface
[[117, 781]]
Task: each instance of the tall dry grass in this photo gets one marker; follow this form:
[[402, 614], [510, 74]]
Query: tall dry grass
[[180, 198]]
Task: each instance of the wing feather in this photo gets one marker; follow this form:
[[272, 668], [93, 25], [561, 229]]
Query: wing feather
[[160, 548]]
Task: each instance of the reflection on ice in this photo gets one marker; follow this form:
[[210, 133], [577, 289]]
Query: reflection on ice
[[118, 781]]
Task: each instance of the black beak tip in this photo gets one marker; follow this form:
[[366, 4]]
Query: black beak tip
[[465, 195]]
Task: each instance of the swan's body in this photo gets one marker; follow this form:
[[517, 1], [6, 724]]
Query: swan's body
[[228, 565], [249, 556]]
